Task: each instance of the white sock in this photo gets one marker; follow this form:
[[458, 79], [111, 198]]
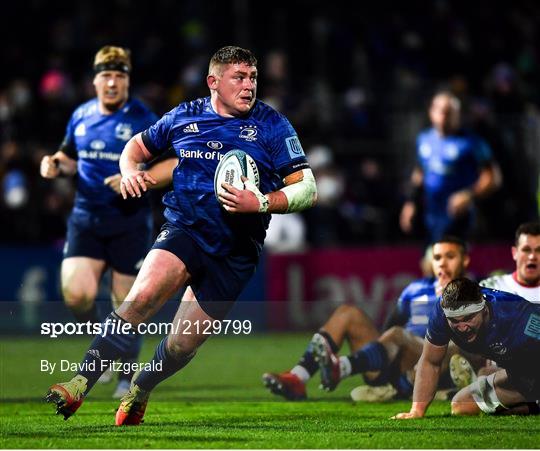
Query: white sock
[[301, 372], [345, 368]]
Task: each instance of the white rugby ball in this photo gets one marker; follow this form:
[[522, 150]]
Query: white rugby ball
[[232, 166]]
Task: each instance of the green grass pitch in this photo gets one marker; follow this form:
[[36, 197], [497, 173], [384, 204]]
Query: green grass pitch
[[218, 401]]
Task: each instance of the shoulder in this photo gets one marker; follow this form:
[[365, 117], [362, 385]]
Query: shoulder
[[502, 299], [471, 138], [265, 113], [193, 108], [85, 109], [419, 287], [493, 281], [425, 134]]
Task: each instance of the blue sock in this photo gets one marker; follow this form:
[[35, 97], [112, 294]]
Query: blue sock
[[371, 357], [130, 357], [91, 315], [115, 340], [162, 367], [403, 386], [308, 361]]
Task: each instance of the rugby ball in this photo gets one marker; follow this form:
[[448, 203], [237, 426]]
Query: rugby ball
[[232, 166]]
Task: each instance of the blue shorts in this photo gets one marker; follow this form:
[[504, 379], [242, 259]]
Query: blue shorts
[[121, 242], [216, 281]]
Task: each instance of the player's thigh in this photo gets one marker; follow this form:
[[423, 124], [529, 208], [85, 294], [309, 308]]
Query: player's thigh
[[120, 286], [192, 326], [351, 323], [490, 394], [411, 352], [160, 277], [403, 345], [80, 279]]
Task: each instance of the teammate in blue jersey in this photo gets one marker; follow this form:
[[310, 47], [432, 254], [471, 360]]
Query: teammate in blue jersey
[[383, 359], [210, 247], [103, 230], [453, 169], [502, 327]]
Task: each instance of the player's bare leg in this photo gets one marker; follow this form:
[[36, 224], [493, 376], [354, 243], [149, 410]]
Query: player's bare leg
[[173, 353], [347, 323], [350, 323], [493, 395], [161, 275], [80, 282], [399, 342]]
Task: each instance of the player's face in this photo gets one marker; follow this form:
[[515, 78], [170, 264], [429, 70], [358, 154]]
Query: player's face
[[468, 327], [527, 257], [444, 114], [235, 89], [448, 262], [112, 89]]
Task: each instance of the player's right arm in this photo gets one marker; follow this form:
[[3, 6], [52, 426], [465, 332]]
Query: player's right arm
[[427, 378], [134, 155], [408, 210], [58, 164]]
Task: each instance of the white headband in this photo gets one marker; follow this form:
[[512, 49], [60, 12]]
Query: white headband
[[464, 310]]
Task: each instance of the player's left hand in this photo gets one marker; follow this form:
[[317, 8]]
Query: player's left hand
[[459, 203], [240, 200], [113, 182], [133, 183]]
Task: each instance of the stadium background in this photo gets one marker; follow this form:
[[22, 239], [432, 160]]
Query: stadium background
[[355, 84], [355, 80]]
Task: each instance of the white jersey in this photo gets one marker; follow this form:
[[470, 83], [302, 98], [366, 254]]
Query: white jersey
[[508, 283]]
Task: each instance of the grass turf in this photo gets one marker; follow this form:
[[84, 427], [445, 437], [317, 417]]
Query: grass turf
[[218, 401]]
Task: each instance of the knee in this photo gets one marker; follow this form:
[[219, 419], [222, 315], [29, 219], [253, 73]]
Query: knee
[[463, 404], [394, 334], [78, 297], [461, 408], [346, 310]]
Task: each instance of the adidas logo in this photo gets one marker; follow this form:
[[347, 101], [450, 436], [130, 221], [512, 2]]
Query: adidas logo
[[191, 128]]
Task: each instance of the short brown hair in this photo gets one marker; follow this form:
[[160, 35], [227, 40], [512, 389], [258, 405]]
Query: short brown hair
[[230, 54], [460, 293], [110, 56], [527, 228], [453, 240]]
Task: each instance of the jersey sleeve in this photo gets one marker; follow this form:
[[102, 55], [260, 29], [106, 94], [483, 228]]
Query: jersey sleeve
[[156, 137], [403, 305], [286, 151], [490, 282], [482, 151], [438, 331], [68, 143]]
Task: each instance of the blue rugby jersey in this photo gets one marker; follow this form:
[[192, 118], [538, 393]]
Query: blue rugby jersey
[[450, 164], [512, 335], [200, 137], [96, 141], [416, 303]]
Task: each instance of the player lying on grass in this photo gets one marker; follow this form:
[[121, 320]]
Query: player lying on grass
[[211, 248], [497, 325], [524, 281], [382, 359]]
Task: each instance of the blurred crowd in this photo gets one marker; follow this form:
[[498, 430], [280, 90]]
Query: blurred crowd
[[355, 84]]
